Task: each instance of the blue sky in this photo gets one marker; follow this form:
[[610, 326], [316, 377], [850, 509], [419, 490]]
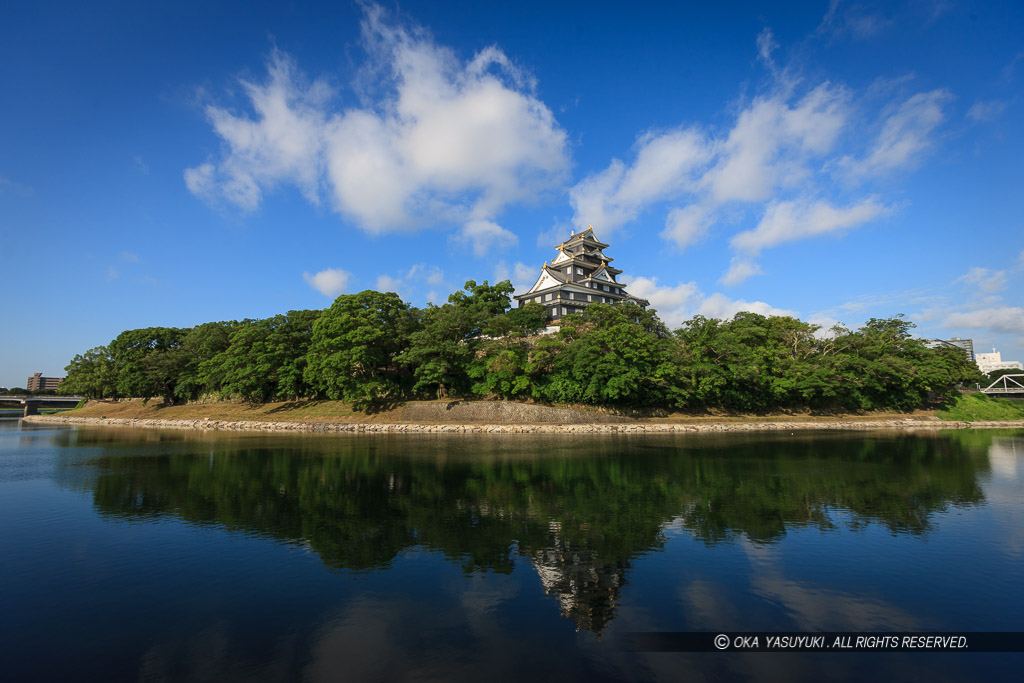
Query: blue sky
[[176, 163]]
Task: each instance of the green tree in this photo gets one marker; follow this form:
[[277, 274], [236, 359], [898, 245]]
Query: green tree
[[199, 347], [609, 354], [129, 350], [702, 377], [442, 349], [91, 374], [354, 347], [265, 358], [500, 365]]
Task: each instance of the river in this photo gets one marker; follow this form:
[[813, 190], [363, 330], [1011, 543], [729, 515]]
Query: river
[[177, 555]]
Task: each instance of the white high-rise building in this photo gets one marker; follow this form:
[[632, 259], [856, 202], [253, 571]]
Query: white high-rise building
[[987, 362]]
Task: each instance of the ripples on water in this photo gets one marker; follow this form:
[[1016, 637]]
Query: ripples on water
[[181, 556]]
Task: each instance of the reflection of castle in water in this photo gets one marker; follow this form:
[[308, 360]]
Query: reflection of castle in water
[[586, 588]]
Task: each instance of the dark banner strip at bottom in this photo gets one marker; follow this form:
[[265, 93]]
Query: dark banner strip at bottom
[[733, 641]]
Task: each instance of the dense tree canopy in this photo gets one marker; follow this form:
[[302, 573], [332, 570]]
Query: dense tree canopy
[[372, 346], [355, 345]]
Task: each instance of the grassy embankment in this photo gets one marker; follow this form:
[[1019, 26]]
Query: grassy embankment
[[976, 407], [338, 411]]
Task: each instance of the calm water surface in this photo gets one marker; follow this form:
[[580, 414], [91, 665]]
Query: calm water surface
[[148, 555]]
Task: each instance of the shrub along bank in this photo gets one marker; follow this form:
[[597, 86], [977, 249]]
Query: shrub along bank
[[372, 348]]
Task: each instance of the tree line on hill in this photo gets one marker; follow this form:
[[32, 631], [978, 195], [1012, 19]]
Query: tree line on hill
[[21, 391], [372, 348]]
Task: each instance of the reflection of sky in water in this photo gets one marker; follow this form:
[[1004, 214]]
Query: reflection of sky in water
[[157, 597], [1005, 491]]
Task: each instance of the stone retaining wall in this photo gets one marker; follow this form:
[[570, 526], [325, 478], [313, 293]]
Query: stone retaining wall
[[498, 412], [606, 428]]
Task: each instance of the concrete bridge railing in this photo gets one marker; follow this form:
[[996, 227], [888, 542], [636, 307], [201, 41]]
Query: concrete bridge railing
[[32, 403]]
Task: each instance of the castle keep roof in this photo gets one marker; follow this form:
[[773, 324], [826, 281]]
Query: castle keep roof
[[579, 275]]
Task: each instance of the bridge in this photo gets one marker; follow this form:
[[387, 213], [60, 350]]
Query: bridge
[[32, 403], [1007, 384]]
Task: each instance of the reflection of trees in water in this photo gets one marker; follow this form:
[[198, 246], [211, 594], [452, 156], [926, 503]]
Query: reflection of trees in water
[[579, 516]]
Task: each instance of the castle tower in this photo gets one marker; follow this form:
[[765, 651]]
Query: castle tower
[[579, 275]]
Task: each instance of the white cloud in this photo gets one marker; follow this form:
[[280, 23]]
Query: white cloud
[[825, 324], [519, 274], [674, 304], [774, 144], [684, 300], [905, 136], [687, 225], [720, 306], [740, 268], [787, 221], [485, 237], [112, 273], [140, 165], [853, 21], [453, 142], [410, 284], [557, 233], [772, 141], [330, 282], [666, 165], [282, 144], [386, 283], [432, 275], [766, 45], [985, 280], [19, 188], [1003, 319], [444, 141], [200, 181], [985, 111], [130, 257]]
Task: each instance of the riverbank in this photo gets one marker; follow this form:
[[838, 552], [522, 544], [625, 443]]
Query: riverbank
[[448, 412], [592, 428], [468, 416]]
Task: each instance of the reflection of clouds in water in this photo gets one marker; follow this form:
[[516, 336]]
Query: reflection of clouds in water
[[211, 655], [714, 605], [813, 608], [621, 664], [480, 597], [1006, 457], [708, 607], [403, 638], [356, 643]]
